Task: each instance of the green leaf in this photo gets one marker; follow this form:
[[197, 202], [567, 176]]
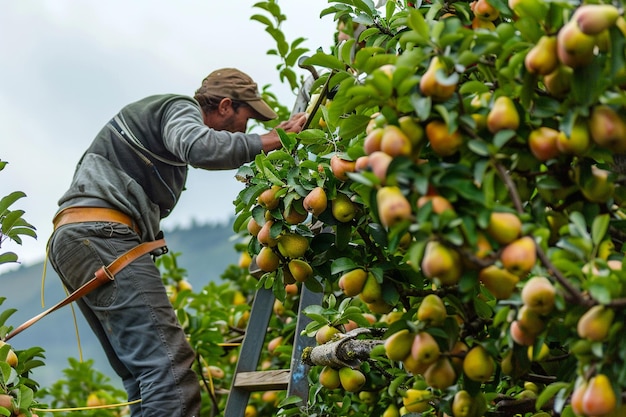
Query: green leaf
[[549, 392], [599, 228]]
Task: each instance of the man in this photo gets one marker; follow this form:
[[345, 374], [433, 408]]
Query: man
[[131, 177]]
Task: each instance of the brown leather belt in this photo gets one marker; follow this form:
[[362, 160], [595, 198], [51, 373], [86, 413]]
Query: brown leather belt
[[93, 214]]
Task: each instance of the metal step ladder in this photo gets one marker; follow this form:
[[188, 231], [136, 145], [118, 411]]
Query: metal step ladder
[[247, 378]]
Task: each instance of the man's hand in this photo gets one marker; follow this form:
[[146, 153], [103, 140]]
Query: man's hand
[[294, 124], [271, 140]]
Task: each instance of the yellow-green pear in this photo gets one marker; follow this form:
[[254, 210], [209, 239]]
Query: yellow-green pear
[[300, 270], [597, 188], [500, 282], [503, 115], [504, 227], [431, 87], [441, 263], [372, 291], [575, 48], [329, 378], [478, 364], [343, 208], [559, 82], [595, 323], [579, 140], [441, 374], [539, 295], [542, 59], [292, 245], [352, 282], [393, 207], [398, 345], [352, 380], [593, 19], [463, 404], [432, 310], [416, 400]]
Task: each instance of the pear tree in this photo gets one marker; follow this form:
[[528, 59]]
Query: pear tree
[[475, 150]]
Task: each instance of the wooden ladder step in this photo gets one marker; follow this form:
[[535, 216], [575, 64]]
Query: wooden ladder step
[[269, 380]]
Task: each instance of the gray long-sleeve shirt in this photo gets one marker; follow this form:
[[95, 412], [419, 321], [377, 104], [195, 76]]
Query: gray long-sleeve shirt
[[145, 179]]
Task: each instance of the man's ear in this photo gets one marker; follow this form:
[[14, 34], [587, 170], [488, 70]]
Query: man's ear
[[224, 106]]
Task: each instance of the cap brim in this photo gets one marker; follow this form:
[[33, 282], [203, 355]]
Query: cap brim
[[263, 110]]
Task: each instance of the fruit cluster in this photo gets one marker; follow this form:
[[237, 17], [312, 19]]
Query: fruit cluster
[[470, 157]]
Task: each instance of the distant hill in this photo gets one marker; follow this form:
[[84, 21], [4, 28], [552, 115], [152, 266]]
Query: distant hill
[[205, 252]]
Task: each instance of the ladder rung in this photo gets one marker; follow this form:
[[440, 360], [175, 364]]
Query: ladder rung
[[263, 380]]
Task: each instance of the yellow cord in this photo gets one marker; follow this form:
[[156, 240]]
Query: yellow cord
[[65, 410]]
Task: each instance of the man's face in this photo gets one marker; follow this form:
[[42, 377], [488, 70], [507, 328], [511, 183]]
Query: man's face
[[231, 116]]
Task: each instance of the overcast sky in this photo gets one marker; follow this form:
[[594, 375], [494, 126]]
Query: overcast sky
[[67, 66]]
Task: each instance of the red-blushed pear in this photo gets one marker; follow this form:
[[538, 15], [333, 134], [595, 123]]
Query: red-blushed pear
[[341, 167], [599, 398], [593, 19], [500, 282], [352, 380], [295, 213], [372, 141], [539, 295], [503, 115], [441, 374], [442, 141], [379, 163], [430, 86], [274, 344], [300, 270], [484, 10], [398, 345], [315, 201], [541, 59], [543, 143], [441, 263], [329, 378], [432, 310], [253, 227], [265, 237], [268, 198], [325, 334], [438, 203], [607, 128], [478, 364], [519, 256], [267, 259], [504, 227], [576, 399], [575, 48], [520, 335], [362, 163], [352, 282], [395, 143], [595, 323], [425, 349], [578, 142], [393, 207]]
